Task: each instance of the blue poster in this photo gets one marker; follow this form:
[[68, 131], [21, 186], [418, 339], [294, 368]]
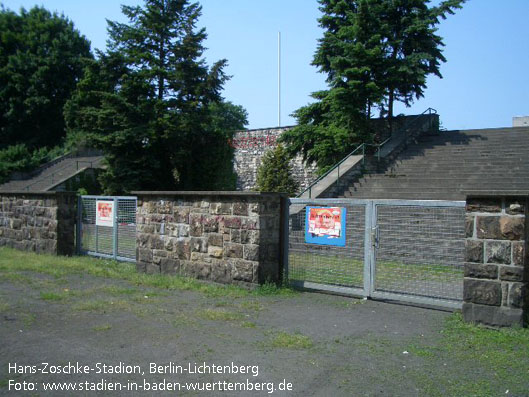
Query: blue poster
[[325, 225]]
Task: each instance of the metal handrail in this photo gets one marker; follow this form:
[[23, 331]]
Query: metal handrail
[[59, 170], [363, 147]]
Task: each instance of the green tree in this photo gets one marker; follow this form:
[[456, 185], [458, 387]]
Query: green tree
[[42, 58], [374, 52], [153, 105], [274, 173]]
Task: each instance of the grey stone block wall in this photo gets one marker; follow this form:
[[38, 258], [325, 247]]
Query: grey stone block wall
[[250, 147], [231, 238], [496, 268], [38, 222]]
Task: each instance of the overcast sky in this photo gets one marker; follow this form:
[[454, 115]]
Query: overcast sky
[[485, 84]]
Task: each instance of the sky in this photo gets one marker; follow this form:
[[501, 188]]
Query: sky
[[485, 79]]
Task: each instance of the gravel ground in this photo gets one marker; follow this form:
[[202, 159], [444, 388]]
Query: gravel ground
[[310, 343]]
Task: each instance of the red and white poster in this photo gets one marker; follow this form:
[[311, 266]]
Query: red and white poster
[[325, 221], [105, 213]]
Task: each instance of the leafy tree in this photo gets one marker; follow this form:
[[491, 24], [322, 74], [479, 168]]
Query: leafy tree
[[274, 173], [374, 52], [41, 60], [153, 105]]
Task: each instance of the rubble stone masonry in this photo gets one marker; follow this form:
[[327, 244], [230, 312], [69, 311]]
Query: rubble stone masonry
[[496, 268], [38, 222], [226, 237]]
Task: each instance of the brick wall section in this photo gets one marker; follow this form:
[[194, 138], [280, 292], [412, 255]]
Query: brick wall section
[[226, 237], [496, 268], [38, 222]]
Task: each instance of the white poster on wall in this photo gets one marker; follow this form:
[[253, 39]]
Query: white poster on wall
[[105, 213]]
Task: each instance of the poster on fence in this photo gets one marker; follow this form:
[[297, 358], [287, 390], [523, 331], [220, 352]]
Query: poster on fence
[[105, 213], [325, 225]]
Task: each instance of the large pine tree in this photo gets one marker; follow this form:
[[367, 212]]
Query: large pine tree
[[150, 102], [374, 52]]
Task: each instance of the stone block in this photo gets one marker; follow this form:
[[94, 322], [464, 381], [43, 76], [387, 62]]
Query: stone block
[[232, 222], [517, 295], [488, 227], [483, 205], [240, 208], [164, 207], [251, 252], [482, 292], [145, 255], [199, 244], [474, 251], [181, 214], [210, 224], [156, 242], [492, 315], [202, 270], [215, 239], [512, 228], [511, 273], [250, 223], [215, 252], [243, 271], [235, 235], [169, 266], [469, 226], [514, 207], [196, 227], [151, 268], [221, 272], [221, 208], [518, 253], [498, 252], [478, 270], [233, 250], [183, 249]]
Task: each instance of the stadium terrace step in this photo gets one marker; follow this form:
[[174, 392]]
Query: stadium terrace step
[[443, 166]]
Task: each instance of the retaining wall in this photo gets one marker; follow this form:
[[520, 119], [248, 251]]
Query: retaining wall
[[226, 237], [38, 222], [496, 268]]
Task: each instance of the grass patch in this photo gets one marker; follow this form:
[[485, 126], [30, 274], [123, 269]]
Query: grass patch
[[497, 359], [248, 324], [184, 320], [285, 340], [101, 305], [52, 296], [252, 305], [15, 278], [28, 319], [4, 306], [104, 327], [219, 315], [12, 262]]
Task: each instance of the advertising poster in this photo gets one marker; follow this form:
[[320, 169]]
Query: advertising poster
[[105, 213], [325, 225]]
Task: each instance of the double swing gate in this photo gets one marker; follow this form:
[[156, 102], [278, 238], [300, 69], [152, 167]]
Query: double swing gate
[[107, 227], [406, 250]]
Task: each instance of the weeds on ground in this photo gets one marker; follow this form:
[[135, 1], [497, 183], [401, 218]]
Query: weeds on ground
[[285, 340], [12, 262]]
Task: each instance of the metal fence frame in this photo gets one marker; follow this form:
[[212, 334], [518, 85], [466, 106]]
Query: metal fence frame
[[115, 230], [371, 239]]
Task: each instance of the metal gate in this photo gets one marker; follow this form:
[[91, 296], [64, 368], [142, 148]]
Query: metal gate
[[405, 250], [107, 227]]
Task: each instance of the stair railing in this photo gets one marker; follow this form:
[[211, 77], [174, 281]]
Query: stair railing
[[363, 147]]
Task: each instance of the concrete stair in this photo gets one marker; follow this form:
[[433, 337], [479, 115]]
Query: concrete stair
[[444, 166], [54, 173]]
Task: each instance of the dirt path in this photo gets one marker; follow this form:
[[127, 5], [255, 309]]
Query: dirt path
[[322, 345]]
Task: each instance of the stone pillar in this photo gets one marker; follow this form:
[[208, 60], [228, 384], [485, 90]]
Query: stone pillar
[[496, 265]]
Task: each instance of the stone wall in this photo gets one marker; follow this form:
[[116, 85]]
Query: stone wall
[[250, 147], [496, 268], [38, 222], [226, 237]]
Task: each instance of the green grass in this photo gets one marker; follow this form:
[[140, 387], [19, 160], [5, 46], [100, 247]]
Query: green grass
[[52, 296], [104, 327], [285, 340], [218, 315], [488, 362], [4, 306], [13, 263]]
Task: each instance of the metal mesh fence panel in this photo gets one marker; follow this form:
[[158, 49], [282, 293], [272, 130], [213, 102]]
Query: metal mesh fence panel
[[126, 228], [420, 251], [326, 264], [99, 240]]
